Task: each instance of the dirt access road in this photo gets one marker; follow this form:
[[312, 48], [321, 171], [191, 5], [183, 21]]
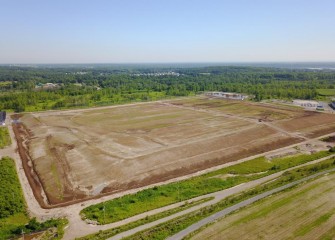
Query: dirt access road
[[78, 155], [77, 227]]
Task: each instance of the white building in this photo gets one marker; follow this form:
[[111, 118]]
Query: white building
[[306, 103], [226, 95]]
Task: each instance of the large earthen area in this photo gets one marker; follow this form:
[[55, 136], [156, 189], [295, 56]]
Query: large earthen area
[[74, 155]]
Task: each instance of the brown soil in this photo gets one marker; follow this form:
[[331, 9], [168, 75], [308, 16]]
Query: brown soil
[[200, 166], [329, 139], [33, 236], [312, 124], [86, 154], [34, 181], [263, 112], [22, 135]]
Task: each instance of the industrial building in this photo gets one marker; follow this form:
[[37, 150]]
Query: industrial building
[[306, 103], [2, 118], [226, 95]]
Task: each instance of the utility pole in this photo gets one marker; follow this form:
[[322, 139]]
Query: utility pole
[[104, 213], [178, 192]]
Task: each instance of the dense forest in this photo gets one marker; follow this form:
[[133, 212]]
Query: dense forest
[[26, 89]]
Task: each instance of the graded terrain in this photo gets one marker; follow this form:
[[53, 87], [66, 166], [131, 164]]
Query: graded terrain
[[84, 153]]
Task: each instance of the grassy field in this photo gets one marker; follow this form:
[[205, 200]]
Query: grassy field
[[160, 196], [12, 204], [4, 137], [5, 83], [307, 212], [172, 227], [326, 92], [13, 215], [77, 102], [112, 232]]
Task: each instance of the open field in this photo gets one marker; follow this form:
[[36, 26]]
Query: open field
[[153, 198], [287, 118], [85, 153], [14, 217], [326, 92], [148, 219], [252, 110], [4, 137], [185, 225], [307, 212], [12, 205]]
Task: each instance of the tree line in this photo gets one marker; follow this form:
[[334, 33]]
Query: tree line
[[102, 86]]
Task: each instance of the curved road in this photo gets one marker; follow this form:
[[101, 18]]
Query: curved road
[[218, 197], [235, 207]]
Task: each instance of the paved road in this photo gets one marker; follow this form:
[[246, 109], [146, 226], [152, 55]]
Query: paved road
[[235, 207], [218, 196]]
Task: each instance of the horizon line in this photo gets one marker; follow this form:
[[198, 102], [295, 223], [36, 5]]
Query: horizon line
[[196, 62]]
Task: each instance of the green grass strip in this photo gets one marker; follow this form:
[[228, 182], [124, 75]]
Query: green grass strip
[[13, 216], [164, 230], [309, 227], [330, 235], [275, 205], [160, 196], [4, 137], [326, 92], [113, 231], [12, 204]]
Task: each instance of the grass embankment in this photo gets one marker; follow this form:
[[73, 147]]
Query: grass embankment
[[174, 226], [4, 137], [13, 215], [112, 232], [305, 212], [12, 204], [156, 197], [326, 92]]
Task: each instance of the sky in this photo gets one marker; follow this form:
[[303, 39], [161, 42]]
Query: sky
[[166, 31]]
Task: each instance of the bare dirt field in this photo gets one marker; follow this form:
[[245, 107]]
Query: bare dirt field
[[306, 212], [79, 154], [311, 124]]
